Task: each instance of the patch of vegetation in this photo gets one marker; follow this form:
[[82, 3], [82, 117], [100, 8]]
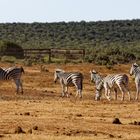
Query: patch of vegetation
[[106, 42], [10, 59], [11, 49]]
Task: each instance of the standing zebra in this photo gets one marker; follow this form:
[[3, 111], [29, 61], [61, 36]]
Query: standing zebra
[[69, 79], [135, 70], [109, 82], [12, 73]]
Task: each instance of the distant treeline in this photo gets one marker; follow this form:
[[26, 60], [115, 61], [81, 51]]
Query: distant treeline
[[116, 41]]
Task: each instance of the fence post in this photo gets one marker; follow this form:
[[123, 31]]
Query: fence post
[[49, 55]]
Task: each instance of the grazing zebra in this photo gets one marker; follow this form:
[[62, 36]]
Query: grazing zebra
[[12, 73], [109, 82], [69, 79], [135, 70]]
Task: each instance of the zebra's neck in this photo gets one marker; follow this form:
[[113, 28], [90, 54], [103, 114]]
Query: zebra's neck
[[97, 78], [137, 72], [99, 86]]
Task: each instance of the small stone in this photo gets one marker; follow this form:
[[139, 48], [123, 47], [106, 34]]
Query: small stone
[[27, 113], [79, 115], [35, 127], [116, 121], [18, 130], [111, 136], [135, 123]]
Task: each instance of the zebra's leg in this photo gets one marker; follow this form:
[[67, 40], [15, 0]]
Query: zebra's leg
[[106, 94], [138, 89], [66, 91], [138, 93], [17, 82], [109, 94], [122, 91], [21, 86], [63, 90], [115, 92], [128, 92], [76, 94], [80, 93], [106, 91]]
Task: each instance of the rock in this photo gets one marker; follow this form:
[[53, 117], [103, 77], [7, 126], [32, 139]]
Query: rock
[[27, 113], [116, 121], [111, 136], [35, 127], [1, 136], [19, 130], [44, 68], [79, 115]]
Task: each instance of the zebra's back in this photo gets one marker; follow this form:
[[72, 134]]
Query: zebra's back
[[71, 78], [112, 79], [11, 73]]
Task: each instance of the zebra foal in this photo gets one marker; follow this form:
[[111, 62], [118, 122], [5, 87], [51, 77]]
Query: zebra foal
[[135, 70], [109, 82], [12, 73], [68, 79]]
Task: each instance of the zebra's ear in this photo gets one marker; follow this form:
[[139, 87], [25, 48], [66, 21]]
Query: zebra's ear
[[135, 65], [94, 72]]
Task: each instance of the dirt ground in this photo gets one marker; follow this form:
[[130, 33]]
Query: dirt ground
[[43, 114]]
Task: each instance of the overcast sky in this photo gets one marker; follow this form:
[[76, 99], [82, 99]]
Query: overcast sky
[[67, 10]]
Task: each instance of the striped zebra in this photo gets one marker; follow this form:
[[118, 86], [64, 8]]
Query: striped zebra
[[68, 79], [135, 70], [109, 82], [12, 73]]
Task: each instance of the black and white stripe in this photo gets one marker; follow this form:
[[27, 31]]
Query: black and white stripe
[[69, 79], [135, 70], [109, 82], [12, 73]]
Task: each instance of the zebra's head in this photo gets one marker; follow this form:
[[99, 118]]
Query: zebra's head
[[134, 68], [57, 74], [95, 77]]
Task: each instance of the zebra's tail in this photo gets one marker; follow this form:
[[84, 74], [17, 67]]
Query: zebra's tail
[[126, 80], [22, 70]]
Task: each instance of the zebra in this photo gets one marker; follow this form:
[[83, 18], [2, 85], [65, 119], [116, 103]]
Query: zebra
[[135, 70], [109, 82], [12, 73], [69, 79]]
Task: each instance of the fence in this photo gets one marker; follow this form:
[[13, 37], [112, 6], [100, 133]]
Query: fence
[[66, 53]]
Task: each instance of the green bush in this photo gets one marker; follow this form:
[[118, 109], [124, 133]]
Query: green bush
[[28, 62], [10, 59], [11, 49]]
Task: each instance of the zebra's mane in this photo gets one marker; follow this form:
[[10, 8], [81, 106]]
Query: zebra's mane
[[136, 66]]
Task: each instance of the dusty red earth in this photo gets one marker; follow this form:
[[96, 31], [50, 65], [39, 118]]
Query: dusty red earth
[[43, 114]]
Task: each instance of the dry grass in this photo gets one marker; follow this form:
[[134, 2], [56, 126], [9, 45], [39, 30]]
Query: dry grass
[[41, 107]]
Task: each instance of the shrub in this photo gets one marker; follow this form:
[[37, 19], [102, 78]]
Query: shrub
[[11, 49], [10, 59], [28, 62]]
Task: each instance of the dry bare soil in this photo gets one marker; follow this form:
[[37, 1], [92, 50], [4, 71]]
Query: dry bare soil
[[43, 114]]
